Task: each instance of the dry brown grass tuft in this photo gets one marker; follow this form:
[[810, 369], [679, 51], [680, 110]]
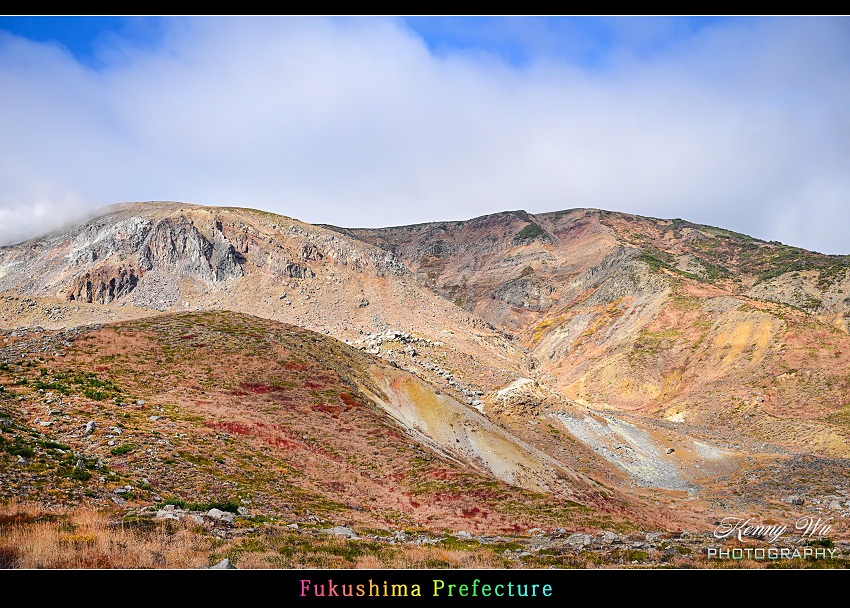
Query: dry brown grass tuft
[[37, 537]]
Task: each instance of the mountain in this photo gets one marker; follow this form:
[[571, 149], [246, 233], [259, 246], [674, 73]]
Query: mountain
[[620, 363], [678, 320]]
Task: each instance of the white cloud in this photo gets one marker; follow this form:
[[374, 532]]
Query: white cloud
[[354, 122]]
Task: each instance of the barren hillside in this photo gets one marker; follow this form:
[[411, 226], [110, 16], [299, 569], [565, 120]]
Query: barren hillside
[[578, 370]]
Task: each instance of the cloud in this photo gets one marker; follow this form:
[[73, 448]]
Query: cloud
[[742, 124]]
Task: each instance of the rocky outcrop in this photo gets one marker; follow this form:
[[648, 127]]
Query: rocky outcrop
[[298, 271], [225, 261], [103, 285], [526, 293], [619, 275], [807, 290], [100, 240], [311, 252], [177, 245]]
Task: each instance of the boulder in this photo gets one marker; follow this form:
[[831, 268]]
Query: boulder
[[341, 531], [610, 538], [579, 540], [222, 516], [653, 537]]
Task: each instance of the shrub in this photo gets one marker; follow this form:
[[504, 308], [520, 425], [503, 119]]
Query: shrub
[[122, 449], [530, 233], [80, 475], [20, 450]]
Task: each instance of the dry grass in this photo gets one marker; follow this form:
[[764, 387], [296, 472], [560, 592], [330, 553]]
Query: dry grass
[[32, 536]]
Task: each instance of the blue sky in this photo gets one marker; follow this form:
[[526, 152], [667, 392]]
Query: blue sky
[[738, 122], [518, 41]]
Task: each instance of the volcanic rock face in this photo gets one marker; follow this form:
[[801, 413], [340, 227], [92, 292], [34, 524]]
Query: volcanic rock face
[[103, 285], [176, 243], [525, 293], [297, 271]]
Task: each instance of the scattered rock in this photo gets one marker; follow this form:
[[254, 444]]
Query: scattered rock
[[579, 540], [89, 428], [341, 531], [224, 564], [610, 538], [219, 515], [794, 499]]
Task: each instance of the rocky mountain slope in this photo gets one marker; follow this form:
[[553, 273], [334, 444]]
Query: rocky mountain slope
[[579, 354], [224, 408], [175, 257], [684, 322]]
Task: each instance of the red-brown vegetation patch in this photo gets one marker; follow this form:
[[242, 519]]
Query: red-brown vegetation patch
[[483, 494], [349, 401], [323, 378], [279, 443], [333, 410], [231, 427], [441, 474], [298, 367], [257, 387]]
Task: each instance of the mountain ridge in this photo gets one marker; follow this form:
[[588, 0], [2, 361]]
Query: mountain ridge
[[595, 339]]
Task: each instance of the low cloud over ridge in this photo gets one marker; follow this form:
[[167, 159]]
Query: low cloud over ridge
[[744, 124]]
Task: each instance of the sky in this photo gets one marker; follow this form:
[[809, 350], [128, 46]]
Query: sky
[[742, 123]]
